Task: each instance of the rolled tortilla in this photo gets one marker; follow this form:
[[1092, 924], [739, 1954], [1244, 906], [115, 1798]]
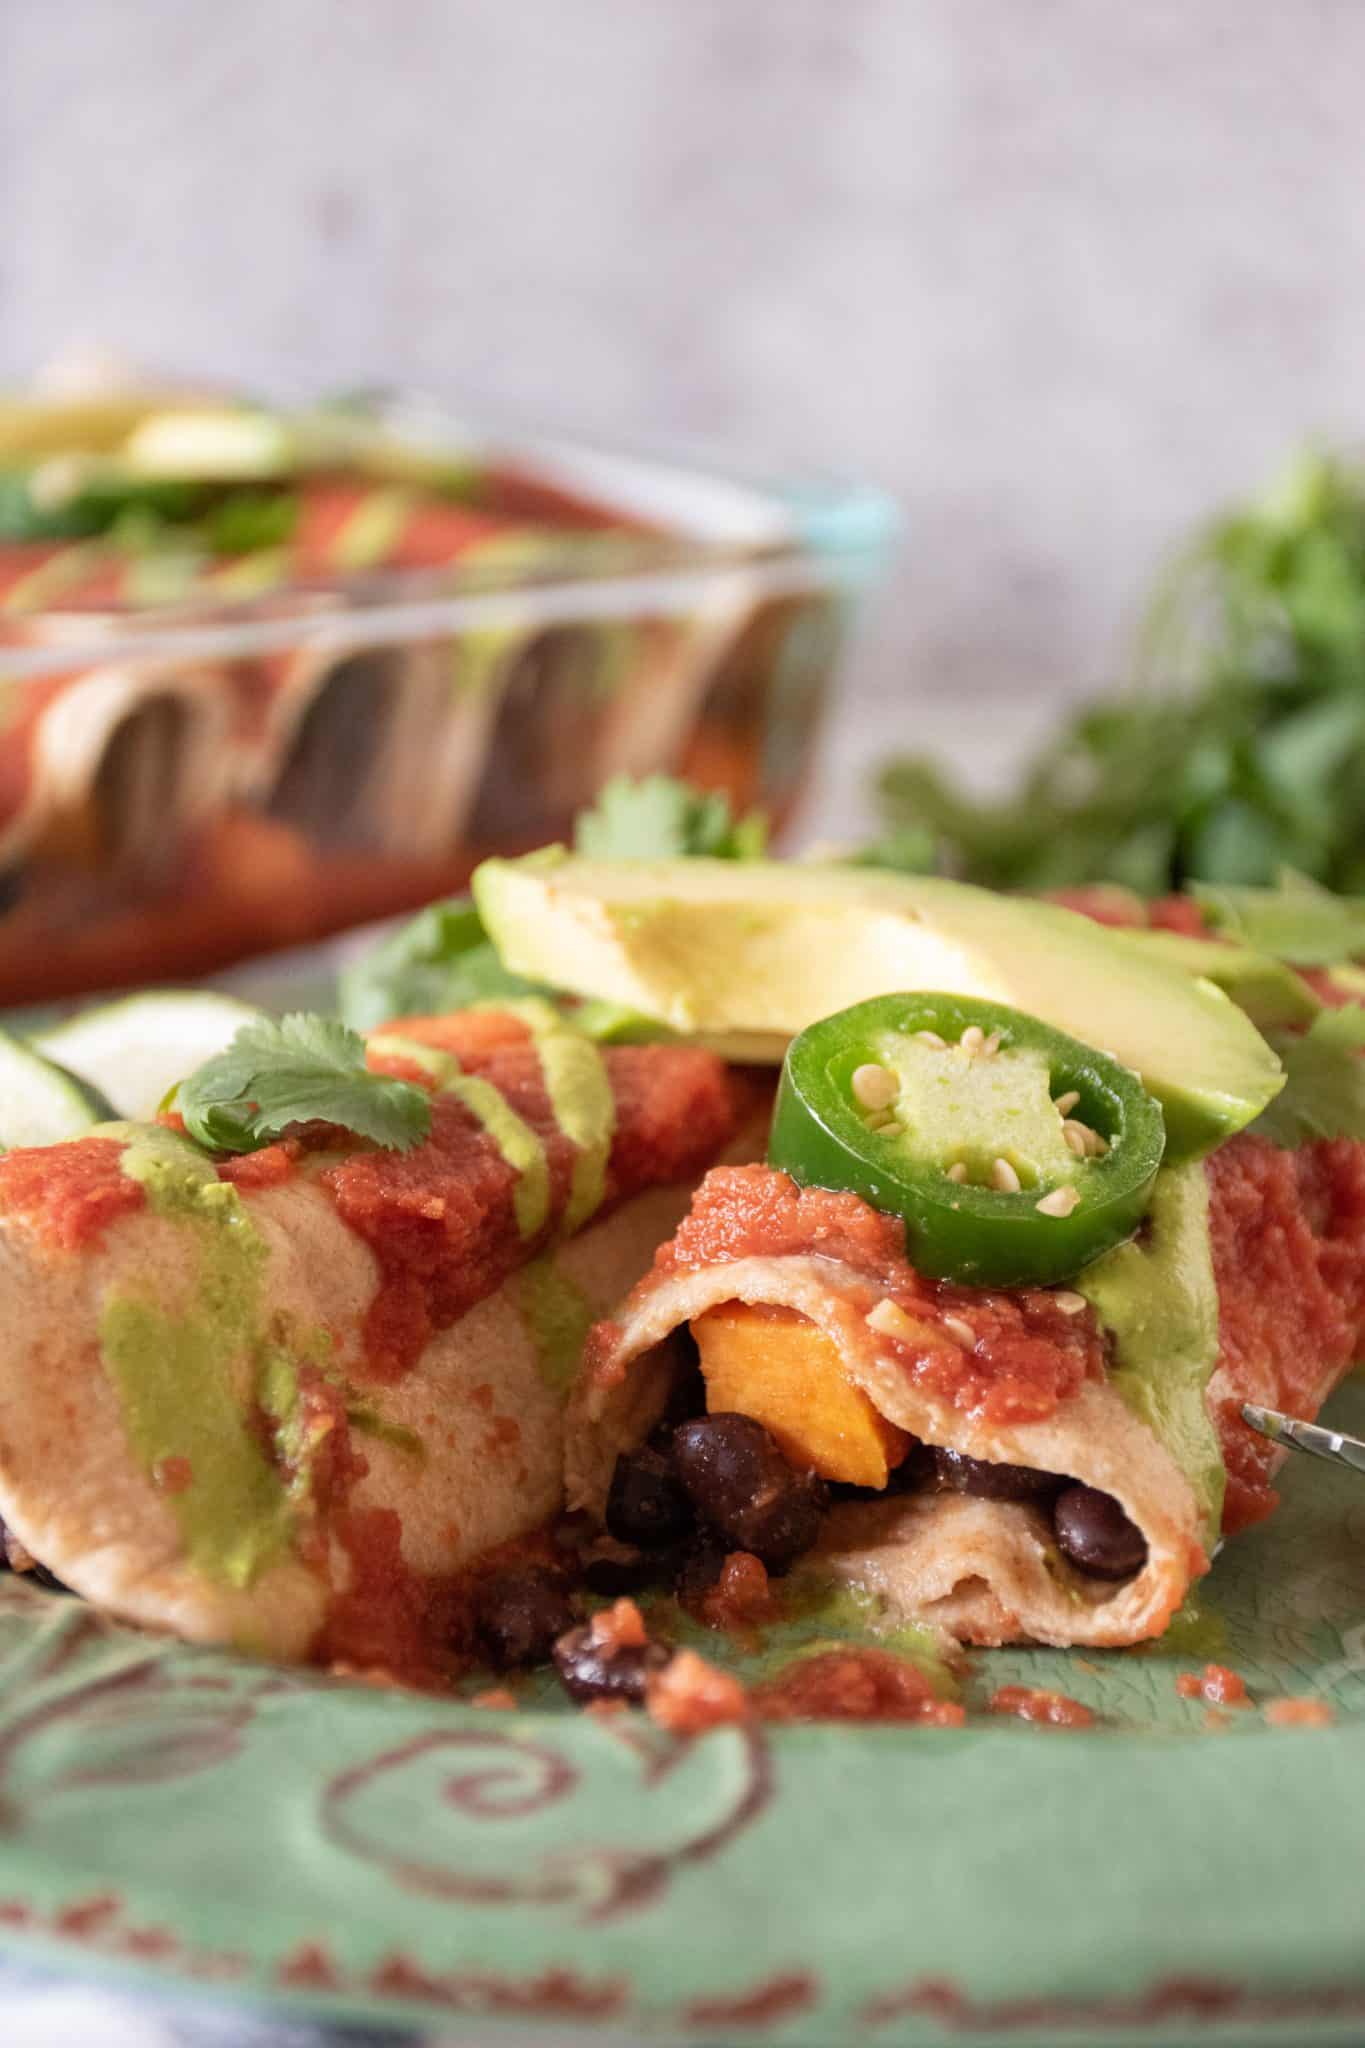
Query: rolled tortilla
[[111, 767], [290, 1404], [1288, 1243]]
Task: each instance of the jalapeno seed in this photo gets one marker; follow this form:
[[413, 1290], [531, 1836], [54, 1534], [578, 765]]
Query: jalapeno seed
[[1094, 1532], [875, 1087]]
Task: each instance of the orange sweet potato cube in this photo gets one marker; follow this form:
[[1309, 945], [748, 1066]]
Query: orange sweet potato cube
[[785, 1372]]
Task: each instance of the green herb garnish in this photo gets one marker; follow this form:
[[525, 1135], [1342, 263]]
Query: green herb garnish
[[1238, 749], [1324, 1094], [442, 960], [660, 818], [1297, 921], [302, 1069]]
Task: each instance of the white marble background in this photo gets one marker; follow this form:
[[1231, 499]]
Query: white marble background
[[1057, 272]]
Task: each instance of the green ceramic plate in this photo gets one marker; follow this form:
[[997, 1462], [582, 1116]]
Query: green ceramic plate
[[377, 1856]]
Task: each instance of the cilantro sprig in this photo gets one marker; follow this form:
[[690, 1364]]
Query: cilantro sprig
[[300, 1069], [1238, 747], [441, 960], [661, 818]]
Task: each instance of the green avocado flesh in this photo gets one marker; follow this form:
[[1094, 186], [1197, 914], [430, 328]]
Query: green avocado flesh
[[1159, 1301], [770, 947], [1271, 994], [176, 1374]]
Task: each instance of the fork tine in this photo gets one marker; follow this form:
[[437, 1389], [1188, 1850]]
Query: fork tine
[[1318, 1442]]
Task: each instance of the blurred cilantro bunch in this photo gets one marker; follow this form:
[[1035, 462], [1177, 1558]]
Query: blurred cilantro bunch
[[1239, 747]]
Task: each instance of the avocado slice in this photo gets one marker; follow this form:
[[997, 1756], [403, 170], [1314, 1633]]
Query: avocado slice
[[1272, 995], [770, 946]]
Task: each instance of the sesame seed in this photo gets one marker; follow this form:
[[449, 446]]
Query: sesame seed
[[1070, 1304], [875, 1087], [972, 1039], [1004, 1179], [1066, 1103], [958, 1172], [932, 1038], [1060, 1202], [963, 1331], [889, 1319]]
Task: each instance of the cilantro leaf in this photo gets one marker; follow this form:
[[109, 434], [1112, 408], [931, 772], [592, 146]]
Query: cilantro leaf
[[1297, 922], [297, 1070], [661, 818], [441, 960], [1324, 1094]]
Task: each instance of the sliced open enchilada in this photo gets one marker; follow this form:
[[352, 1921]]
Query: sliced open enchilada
[[998, 1294]]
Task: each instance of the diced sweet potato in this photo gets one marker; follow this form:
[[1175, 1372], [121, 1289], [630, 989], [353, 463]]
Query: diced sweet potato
[[785, 1372]]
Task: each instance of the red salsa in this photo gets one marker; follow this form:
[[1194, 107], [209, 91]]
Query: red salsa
[[1026, 1353], [68, 1195]]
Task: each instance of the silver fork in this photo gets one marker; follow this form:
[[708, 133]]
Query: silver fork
[[1306, 1436]]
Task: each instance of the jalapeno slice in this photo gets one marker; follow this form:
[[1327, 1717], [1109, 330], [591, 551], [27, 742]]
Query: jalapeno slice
[[1014, 1154]]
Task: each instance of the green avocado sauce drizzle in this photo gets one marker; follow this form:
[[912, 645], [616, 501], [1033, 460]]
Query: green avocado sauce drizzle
[[179, 1374], [514, 1138], [1159, 1301], [579, 1089], [557, 1316]]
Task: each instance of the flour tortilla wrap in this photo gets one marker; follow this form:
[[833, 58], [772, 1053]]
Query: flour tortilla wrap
[[1248, 1284], [182, 1386], [988, 1571]]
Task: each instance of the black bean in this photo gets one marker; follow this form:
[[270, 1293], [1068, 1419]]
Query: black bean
[[687, 1388], [626, 1572], [518, 1614], [989, 1481], [646, 1504], [588, 1672], [699, 1568], [1096, 1535], [915, 1469], [743, 1487]]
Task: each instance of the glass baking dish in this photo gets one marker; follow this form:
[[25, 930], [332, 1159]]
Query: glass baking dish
[[312, 666]]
